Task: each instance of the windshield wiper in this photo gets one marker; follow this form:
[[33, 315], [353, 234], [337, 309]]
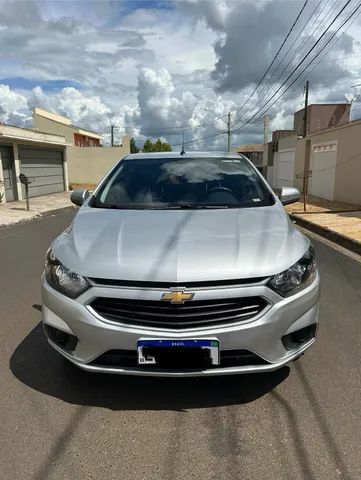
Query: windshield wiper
[[119, 207], [192, 206], [171, 206], [106, 205]]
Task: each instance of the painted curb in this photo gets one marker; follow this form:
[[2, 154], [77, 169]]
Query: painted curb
[[335, 237], [48, 213]]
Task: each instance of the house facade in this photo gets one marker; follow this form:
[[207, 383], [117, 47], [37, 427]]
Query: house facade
[[45, 121], [332, 159], [254, 152], [52, 161], [321, 116], [42, 157]]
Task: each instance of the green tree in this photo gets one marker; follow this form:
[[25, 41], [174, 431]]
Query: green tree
[[133, 146], [148, 146], [158, 146]]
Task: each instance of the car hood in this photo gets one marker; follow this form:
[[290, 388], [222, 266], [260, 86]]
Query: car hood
[[180, 245]]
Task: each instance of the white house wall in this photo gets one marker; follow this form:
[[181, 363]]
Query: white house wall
[[285, 168], [323, 166]]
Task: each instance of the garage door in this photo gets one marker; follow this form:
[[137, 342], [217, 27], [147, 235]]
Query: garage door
[[323, 166], [286, 168], [8, 172], [44, 167]]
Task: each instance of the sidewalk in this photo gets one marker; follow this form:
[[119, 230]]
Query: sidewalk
[[337, 221], [15, 212]]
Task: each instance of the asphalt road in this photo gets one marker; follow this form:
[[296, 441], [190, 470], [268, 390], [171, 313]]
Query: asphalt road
[[58, 422]]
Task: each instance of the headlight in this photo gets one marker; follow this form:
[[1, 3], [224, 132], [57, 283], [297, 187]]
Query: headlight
[[297, 277], [62, 279]]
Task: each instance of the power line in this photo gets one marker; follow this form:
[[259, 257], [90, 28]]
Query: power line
[[263, 77], [337, 40], [253, 124], [337, 164], [184, 128], [160, 131], [302, 61], [301, 46], [321, 50], [274, 58], [189, 128], [303, 27], [199, 139]]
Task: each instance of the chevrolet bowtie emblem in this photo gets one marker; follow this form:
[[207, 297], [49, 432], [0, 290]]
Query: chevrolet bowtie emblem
[[177, 296]]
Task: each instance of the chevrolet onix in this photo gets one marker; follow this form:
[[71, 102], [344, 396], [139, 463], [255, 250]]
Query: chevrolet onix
[[181, 265]]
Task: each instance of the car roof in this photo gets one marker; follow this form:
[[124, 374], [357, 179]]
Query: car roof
[[190, 154]]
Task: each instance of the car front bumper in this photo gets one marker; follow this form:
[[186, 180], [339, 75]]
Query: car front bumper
[[262, 335]]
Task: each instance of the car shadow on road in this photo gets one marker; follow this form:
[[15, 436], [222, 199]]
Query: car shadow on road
[[38, 366]]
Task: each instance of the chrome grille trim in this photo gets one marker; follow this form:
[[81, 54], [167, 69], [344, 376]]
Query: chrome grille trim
[[192, 314], [154, 285]]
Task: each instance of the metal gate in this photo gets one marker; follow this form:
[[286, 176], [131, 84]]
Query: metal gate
[[44, 168], [8, 172], [285, 168], [323, 166]]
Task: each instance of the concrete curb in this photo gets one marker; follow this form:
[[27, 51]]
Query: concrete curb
[[335, 237], [38, 215], [48, 213]]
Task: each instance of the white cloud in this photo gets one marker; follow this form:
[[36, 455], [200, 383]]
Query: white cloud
[[87, 112], [153, 72], [13, 107], [162, 111]]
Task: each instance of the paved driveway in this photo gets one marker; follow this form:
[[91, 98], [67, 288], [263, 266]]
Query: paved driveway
[[58, 422]]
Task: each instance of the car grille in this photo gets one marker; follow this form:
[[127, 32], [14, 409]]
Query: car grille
[[193, 314], [105, 282], [128, 359]]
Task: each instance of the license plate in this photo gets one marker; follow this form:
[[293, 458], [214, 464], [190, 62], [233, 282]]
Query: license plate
[[152, 351]]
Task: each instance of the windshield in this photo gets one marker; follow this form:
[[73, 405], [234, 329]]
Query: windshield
[[183, 183]]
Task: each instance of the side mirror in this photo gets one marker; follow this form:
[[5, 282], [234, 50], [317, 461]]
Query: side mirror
[[78, 197], [289, 195]]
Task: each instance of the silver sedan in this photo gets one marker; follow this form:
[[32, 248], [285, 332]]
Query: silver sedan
[[181, 265]]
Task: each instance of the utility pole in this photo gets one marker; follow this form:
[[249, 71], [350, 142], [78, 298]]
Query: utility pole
[[307, 149], [265, 129], [229, 131], [112, 135]]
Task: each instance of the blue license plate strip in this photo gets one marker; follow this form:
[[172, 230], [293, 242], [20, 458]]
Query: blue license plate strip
[[212, 344]]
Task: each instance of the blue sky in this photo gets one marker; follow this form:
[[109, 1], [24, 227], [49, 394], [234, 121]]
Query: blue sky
[[154, 68], [146, 4], [21, 83]]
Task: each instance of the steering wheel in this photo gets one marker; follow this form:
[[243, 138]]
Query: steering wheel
[[219, 189]]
